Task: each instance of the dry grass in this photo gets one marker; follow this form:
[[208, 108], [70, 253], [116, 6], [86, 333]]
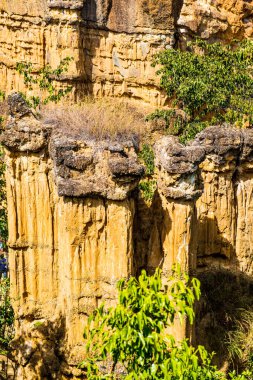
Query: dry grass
[[240, 339], [109, 118]]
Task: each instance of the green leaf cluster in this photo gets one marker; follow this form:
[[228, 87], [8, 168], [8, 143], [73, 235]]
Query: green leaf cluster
[[45, 80], [6, 316], [148, 185], [148, 188], [211, 83], [148, 158], [134, 333]]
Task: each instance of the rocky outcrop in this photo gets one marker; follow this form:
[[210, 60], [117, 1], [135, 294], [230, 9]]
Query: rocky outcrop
[[78, 224], [214, 172], [112, 44], [218, 19], [71, 224]]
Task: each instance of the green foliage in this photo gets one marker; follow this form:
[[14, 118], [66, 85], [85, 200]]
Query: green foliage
[[133, 334], [148, 158], [38, 324], [148, 185], [174, 122], [6, 316], [45, 80], [211, 83], [246, 375], [148, 188]]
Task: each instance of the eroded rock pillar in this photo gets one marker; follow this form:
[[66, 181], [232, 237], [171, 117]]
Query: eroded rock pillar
[[71, 224]]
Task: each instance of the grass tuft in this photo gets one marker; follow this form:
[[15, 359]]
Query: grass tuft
[[106, 118]]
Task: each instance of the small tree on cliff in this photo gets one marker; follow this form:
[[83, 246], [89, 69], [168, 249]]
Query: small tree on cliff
[[208, 84], [130, 341]]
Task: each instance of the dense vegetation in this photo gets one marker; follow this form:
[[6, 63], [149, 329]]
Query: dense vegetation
[[131, 340], [208, 84]]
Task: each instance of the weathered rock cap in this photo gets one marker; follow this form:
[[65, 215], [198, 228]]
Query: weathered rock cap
[[83, 167], [18, 107], [24, 132], [95, 168], [177, 168], [219, 140], [176, 158], [218, 148], [66, 4]]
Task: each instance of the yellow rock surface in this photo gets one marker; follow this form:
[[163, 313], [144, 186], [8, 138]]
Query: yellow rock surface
[[77, 225], [112, 44]]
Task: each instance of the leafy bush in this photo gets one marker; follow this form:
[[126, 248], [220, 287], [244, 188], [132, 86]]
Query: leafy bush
[[211, 83], [129, 341], [44, 79]]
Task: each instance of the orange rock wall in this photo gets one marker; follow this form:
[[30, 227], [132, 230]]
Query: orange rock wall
[[112, 44]]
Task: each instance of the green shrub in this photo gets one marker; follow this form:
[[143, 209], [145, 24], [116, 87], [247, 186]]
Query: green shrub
[[133, 334], [148, 188], [211, 83], [130, 341], [45, 80]]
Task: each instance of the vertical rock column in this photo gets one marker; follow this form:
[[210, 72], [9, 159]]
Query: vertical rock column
[[216, 208], [178, 188], [244, 206], [70, 219]]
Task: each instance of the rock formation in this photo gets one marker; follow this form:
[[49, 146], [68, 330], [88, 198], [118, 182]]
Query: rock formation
[[76, 218], [77, 225], [217, 19], [112, 44]]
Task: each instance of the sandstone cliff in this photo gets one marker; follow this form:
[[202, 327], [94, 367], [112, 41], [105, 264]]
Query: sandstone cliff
[[112, 43], [77, 225], [76, 217]]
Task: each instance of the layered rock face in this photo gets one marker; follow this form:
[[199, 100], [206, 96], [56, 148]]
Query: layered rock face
[[112, 42], [77, 225], [212, 19]]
